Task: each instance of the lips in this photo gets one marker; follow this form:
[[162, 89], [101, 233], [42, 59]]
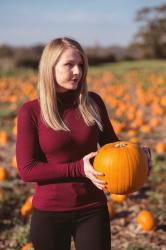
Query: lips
[[75, 80]]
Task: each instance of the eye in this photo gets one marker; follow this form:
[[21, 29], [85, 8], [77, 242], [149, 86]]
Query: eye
[[81, 65], [68, 64]]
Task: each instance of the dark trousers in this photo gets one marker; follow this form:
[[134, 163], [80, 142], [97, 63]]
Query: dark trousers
[[89, 228]]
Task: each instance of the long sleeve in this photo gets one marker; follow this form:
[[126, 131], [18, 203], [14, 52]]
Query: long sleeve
[[108, 134], [30, 167]]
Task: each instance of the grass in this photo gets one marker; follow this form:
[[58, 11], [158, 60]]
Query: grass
[[145, 65], [18, 72]]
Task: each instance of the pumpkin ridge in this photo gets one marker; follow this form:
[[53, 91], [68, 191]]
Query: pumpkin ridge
[[134, 165], [129, 169]]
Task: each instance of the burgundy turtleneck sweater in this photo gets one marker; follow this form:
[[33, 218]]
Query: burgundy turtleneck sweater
[[54, 159]]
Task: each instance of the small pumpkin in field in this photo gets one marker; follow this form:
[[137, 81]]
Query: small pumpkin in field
[[2, 194], [27, 246], [120, 198], [125, 166], [111, 210], [4, 137], [146, 219], [160, 148], [26, 209], [3, 174], [14, 162]]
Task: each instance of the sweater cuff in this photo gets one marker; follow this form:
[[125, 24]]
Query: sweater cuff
[[82, 168]]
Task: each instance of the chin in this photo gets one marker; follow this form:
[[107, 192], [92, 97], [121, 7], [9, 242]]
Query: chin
[[73, 86], [68, 87]]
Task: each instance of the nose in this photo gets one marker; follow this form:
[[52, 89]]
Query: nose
[[76, 70]]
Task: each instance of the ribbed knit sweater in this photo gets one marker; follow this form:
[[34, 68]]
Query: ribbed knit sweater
[[54, 159]]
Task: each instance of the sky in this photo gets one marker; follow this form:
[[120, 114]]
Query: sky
[[91, 22]]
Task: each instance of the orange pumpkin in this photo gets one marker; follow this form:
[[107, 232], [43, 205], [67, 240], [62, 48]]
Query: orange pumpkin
[[160, 148], [4, 137], [118, 197], [111, 210], [2, 194], [27, 246], [27, 207], [146, 220], [134, 140], [163, 101], [14, 162], [3, 174], [125, 166]]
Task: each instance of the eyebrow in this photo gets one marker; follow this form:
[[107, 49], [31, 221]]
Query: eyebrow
[[72, 61]]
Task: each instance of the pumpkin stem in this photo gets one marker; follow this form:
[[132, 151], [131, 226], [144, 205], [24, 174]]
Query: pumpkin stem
[[120, 145]]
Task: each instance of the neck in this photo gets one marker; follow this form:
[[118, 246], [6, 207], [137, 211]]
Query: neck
[[66, 99]]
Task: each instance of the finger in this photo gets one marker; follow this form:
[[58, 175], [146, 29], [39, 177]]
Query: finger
[[94, 172], [147, 152], [144, 146], [147, 149], [92, 154], [101, 188], [98, 186], [92, 177]]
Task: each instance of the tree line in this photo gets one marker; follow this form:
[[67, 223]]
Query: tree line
[[148, 42]]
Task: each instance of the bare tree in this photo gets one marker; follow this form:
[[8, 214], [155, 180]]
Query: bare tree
[[151, 37]]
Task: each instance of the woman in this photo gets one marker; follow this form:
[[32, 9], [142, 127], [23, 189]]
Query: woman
[[57, 137]]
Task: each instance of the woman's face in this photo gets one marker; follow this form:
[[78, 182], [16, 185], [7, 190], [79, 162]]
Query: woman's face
[[68, 70]]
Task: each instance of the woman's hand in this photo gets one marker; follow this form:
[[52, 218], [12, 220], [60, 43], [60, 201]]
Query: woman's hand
[[91, 173], [148, 154]]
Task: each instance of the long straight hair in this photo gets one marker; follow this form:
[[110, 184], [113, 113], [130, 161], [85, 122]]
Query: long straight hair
[[46, 87]]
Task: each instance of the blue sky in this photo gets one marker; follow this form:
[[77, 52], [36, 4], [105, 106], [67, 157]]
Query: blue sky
[[104, 22]]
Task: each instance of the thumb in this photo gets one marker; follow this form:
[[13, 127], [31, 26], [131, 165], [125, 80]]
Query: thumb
[[92, 154]]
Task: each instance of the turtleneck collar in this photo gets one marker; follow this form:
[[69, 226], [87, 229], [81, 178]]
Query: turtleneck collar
[[67, 99]]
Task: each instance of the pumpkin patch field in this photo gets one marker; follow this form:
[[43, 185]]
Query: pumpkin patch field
[[135, 97]]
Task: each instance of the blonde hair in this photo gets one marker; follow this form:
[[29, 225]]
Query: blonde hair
[[46, 87]]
